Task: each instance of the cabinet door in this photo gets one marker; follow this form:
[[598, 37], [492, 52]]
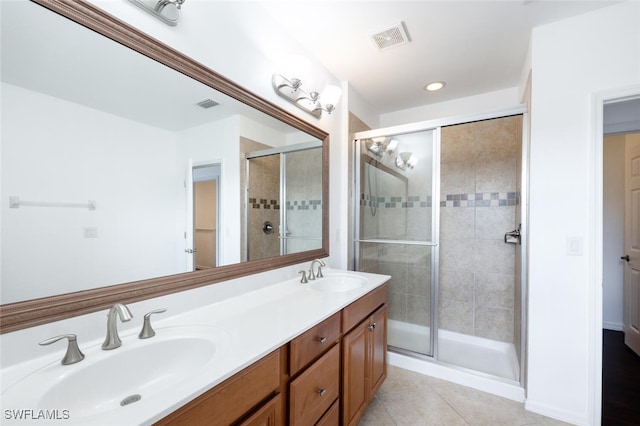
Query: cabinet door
[[355, 383], [378, 347], [268, 415]]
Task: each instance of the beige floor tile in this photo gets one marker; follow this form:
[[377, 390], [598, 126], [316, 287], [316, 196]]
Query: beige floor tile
[[421, 406], [480, 408], [412, 399], [376, 415]]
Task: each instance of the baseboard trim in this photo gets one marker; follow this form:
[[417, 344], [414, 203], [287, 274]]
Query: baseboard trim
[[548, 411], [615, 326]]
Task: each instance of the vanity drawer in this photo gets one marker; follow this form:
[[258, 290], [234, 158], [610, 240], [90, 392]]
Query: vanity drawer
[[313, 392], [233, 398], [331, 417], [363, 307], [313, 343]]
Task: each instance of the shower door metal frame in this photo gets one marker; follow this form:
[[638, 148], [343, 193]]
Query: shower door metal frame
[[436, 125], [435, 216], [281, 151]]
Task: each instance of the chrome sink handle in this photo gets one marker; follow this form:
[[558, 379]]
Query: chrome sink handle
[[112, 340], [73, 354], [148, 331], [303, 279]]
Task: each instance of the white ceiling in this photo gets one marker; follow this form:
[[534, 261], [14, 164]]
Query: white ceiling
[[475, 46], [70, 62]]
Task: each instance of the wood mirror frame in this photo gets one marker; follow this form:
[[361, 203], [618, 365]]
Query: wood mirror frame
[[20, 315]]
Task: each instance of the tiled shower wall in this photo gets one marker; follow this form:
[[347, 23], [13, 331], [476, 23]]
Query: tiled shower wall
[[479, 195], [264, 203], [304, 200]]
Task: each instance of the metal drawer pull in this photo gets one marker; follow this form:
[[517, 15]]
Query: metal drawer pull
[[372, 326], [322, 340], [322, 392]]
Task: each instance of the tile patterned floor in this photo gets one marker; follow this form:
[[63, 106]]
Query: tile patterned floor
[[412, 399]]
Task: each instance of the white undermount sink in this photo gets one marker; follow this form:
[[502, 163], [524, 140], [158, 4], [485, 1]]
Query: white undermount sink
[[112, 380], [338, 283]]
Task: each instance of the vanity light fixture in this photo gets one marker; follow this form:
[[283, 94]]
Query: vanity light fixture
[[168, 11], [406, 160], [381, 146], [311, 102], [435, 86]]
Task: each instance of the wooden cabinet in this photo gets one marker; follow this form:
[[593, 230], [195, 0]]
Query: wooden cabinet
[[269, 415], [315, 390], [331, 417], [327, 376], [313, 343], [364, 365], [236, 397]]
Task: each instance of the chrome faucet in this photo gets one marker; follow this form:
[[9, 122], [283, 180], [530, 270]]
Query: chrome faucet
[[112, 340], [312, 274]]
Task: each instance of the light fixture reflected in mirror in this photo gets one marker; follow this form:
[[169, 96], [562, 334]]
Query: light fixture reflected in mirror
[[381, 146], [168, 11], [291, 89], [406, 160]]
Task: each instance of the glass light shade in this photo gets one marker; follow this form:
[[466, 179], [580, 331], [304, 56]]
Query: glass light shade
[[331, 95], [296, 66], [393, 144]]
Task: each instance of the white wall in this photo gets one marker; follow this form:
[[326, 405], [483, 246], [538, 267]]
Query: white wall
[[219, 143], [572, 60], [613, 232], [46, 252], [485, 102]]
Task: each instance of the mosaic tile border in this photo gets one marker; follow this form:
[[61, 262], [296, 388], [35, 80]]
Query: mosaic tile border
[[394, 202], [264, 204], [478, 199], [304, 205], [481, 199]]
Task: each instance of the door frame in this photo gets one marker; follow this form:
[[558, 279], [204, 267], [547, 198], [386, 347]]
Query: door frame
[[219, 235], [598, 100]]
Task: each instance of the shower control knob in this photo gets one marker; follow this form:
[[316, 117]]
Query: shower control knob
[[627, 258]]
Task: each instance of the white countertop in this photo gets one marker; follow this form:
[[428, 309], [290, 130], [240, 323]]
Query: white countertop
[[252, 325]]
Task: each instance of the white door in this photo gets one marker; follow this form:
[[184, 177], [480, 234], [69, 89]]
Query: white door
[[189, 247], [631, 257]]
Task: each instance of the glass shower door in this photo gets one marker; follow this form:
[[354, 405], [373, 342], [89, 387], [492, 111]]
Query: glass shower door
[[302, 192], [397, 230]]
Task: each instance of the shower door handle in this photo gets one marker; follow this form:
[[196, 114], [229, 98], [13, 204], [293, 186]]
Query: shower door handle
[[512, 237]]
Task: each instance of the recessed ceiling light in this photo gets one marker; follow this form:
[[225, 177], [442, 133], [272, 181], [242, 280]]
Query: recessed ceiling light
[[434, 86]]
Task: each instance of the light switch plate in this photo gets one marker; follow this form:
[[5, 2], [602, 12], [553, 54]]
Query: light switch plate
[[574, 246]]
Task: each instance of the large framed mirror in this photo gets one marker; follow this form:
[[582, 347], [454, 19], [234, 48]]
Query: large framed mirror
[[131, 171]]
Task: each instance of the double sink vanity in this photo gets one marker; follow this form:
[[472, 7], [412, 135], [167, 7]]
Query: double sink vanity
[[288, 353]]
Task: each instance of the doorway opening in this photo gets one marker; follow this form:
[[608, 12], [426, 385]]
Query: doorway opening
[[620, 254], [206, 206]]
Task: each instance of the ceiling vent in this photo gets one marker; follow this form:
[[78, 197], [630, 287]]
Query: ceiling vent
[[395, 35], [207, 103]]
